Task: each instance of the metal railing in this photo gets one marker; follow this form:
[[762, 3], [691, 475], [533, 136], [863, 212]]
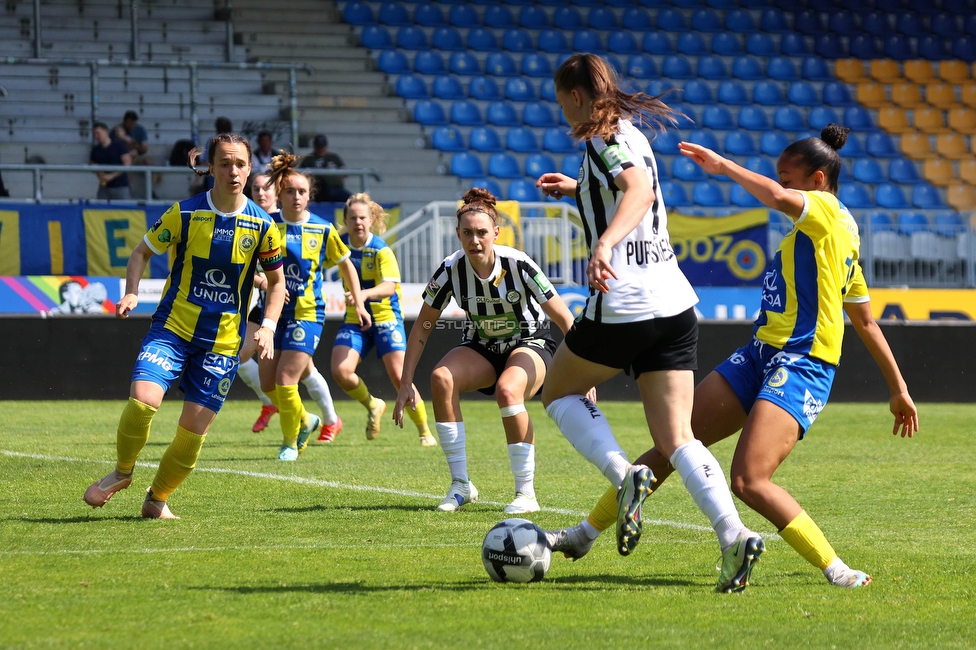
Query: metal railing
[[147, 171]]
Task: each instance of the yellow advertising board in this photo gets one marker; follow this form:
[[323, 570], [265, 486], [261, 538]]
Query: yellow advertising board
[[923, 304]]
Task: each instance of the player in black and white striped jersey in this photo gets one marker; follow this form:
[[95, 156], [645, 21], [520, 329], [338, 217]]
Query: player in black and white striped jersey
[[505, 346]]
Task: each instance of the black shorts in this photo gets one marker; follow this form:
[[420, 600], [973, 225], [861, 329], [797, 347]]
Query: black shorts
[[256, 315], [643, 346], [544, 346]]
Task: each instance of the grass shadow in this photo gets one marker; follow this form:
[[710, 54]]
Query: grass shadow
[[73, 520], [632, 580], [344, 508]]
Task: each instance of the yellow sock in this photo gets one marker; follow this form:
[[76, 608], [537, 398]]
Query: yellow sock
[[273, 396], [177, 463], [292, 413], [132, 434], [419, 416], [604, 513], [808, 540], [361, 394]]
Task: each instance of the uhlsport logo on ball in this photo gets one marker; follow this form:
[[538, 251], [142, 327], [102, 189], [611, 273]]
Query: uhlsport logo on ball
[[515, 550]]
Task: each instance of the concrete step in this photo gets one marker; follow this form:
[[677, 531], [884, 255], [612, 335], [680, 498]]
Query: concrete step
[[257, 36], [365, 130], [151, 99], [290, 28], [322, 15], [330, 65], [329, 79], [90, 11], [351, 101], [307, 89], [148, 51], [355, 115]]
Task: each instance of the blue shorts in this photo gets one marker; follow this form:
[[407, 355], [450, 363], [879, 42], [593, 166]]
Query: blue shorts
[[298, 335], [387, 337], [798, 384], [207, 376]]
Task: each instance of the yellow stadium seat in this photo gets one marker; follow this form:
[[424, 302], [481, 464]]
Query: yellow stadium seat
[[850, 70], [920, 71], [967, 92], [887, 71], [953, 146], [893, 120], [871, 94], [939, 171], [906, 94], [967, 170], [916, 145], [929, 119], [961, 197], [941, 95], [954, 72], [963, 120]]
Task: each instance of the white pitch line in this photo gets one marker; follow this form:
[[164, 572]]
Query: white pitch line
[[222, 549], [356, 488]]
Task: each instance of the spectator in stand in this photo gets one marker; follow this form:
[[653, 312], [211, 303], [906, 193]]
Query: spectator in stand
[[327, 188], [261, 158], [130, 132], [204, 183], [112, 186]]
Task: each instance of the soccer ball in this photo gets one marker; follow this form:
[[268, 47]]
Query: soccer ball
[[515, 550]]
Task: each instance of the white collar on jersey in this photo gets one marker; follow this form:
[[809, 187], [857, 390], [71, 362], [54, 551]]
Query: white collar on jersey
[[225, 214], [306, 215], [369, 240]]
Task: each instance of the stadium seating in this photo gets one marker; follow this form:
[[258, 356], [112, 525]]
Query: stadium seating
[[521, 140], [868, 170], [571, 164], [916, 145], [447, 139], [927, 197], [556, 140], [447, 87], [502, 113], [482, 87], [537, 164], [485, 139], [708, 194], [466, 113], [429, 112], [939, 171], [889, 195], [489, 185], [902, 171], [772, 143], [717, 117], [504, 165], [429, 62], [466, 165], [464, 63], [753, 118], [523, 189]]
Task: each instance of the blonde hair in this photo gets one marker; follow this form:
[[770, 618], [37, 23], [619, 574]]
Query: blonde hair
[[282, 167], [597, 78], [376, 211], [478, 199]]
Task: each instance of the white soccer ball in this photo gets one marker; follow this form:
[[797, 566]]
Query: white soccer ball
[[515, 550]]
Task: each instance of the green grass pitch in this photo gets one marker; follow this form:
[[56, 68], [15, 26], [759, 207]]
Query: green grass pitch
[[343, 549]]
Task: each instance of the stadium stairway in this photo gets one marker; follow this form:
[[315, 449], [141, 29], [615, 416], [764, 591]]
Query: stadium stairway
[[346, 99]]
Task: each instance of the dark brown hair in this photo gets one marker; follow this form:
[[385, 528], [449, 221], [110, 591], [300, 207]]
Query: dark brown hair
[[478, 199], [813, 154], [282, 167], [597, 78], [220, 138]]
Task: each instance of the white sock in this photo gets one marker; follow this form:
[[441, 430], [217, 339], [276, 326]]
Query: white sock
[[705, 481], [837, 566], [584, 425], [318, 388], [248, 371], [588, 530], [522, 457], [453, 441]]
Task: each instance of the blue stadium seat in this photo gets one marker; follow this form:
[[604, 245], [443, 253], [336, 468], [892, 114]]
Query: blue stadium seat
[[411, 86], [537, 164], [571, 164], [666, 142], [662, 172], [499, 17], [858, 118], [637, 19], [697, 92], [909, 24], [708, 194], [949, 224], [521, 140], [567, 18], [722, 4], [879, 144], [500, 64], [732, 93], [687, 118], [912, 222], [815, 69], [376, 37], [899, 47], [781, 68], [614, 61], [703, 137], [547, 90], [876, 23], [854, 148], [903, 171], [726, 44], [557, 140], [691, 44], [888, 195], [712, 67], [602, 19], [538, 114], [490, 185], [533, 17], [772, 143], [393, 62], [942, 24], [964, 47], [429, 112], [587, 40], [641, 66], [429, 62], [502, 113], [768, 93], [394, 14], [504, 165], [448, 87], [855, 195], [927, 197], [932, 48], [445, 138], [466, 113], [428, 14], [793, 44], [516, 39], [358, 14], [808, 22], [447, 39], [467, 165], [482, 39], [463, 15], [739, 143], [674, 194], [878, 221], [761, 166], [830, 46], [671, 20], [717, 117], [821, 116], [410, 37], [843, 22], [739, 21], [802, 93], [760, 44], [864, 46], [868, 170], [706, 20], [485, 139], [747, 68], [524, 190], [518, 89], [551, 40], [659, 87], [655, 42], [753, 118], [739, 197], [789, 118], [836, 93], [773, 21], [622, 42], [676, 66]]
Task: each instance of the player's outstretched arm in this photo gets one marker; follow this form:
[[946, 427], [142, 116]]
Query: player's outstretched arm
[[557, 185], [901, 404], [136, 266]]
